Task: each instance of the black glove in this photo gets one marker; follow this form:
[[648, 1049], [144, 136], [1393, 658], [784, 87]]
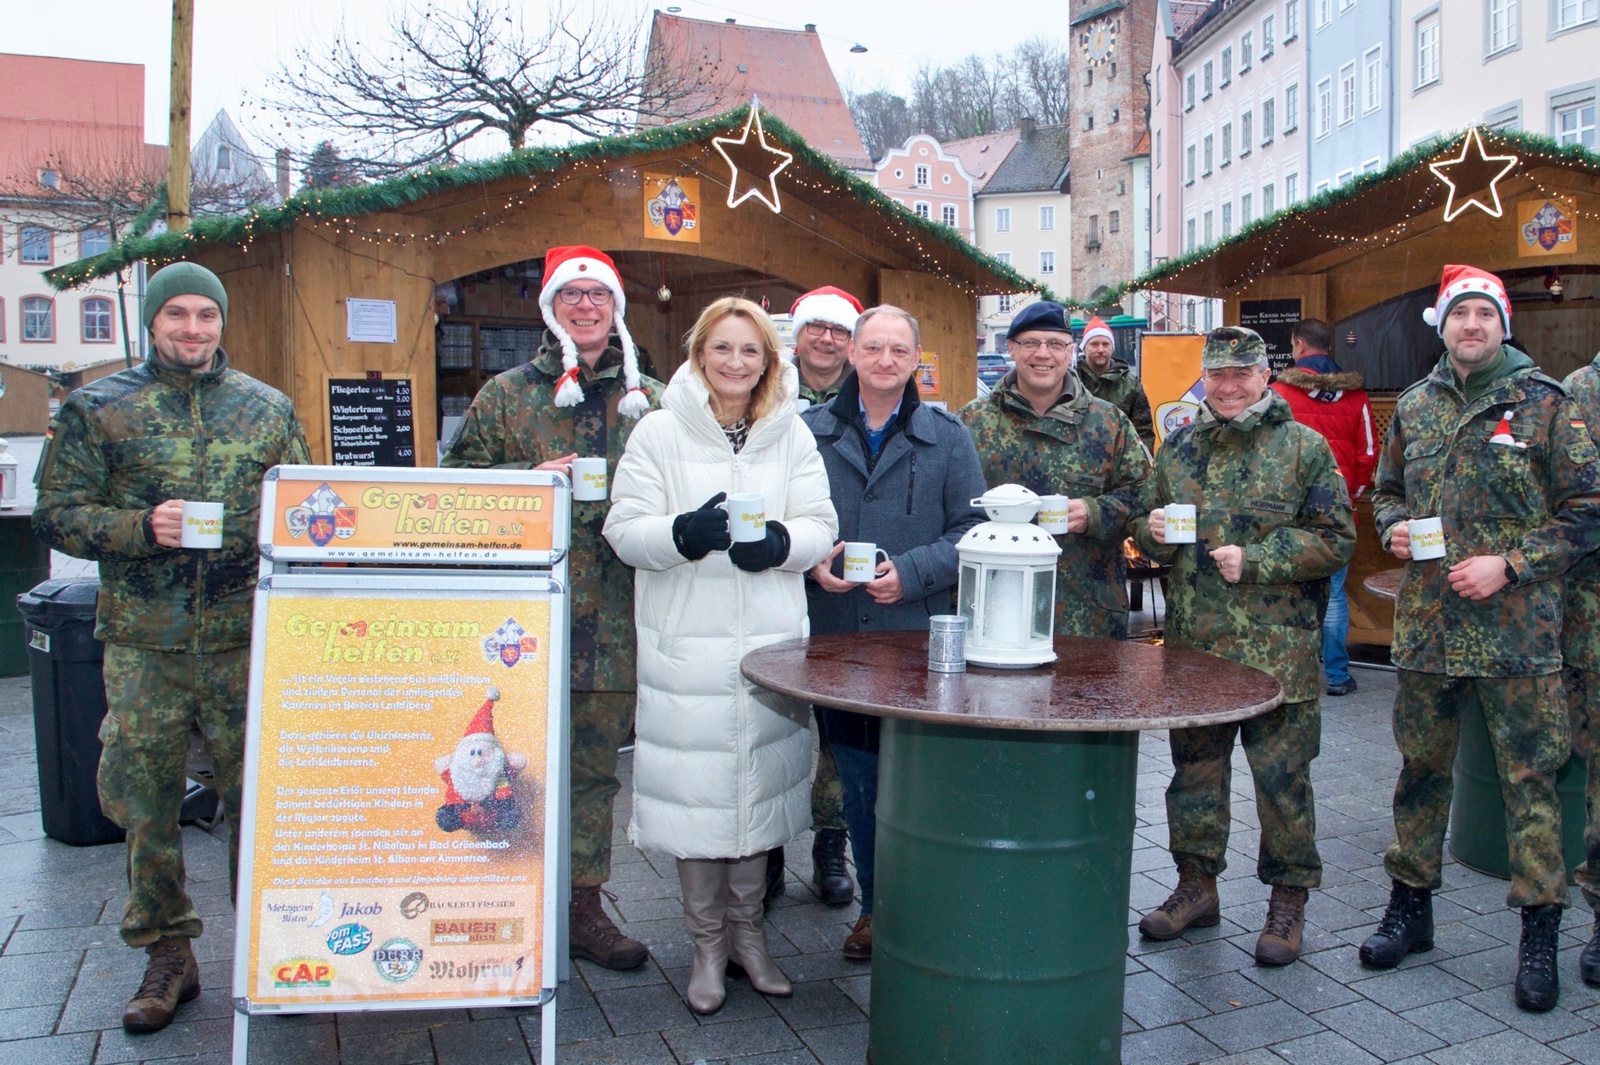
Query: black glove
[[762, 554], [700, 532]]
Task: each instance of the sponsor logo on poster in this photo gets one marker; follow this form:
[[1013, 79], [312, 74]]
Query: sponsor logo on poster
[[303, 972], [476, 931], [349, 939], [417, 903], [397, 960], [509, 643], [473, 971]]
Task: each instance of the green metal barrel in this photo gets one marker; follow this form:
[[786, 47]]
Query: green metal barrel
[[24, 562], [1003, 861], [1478, 812]]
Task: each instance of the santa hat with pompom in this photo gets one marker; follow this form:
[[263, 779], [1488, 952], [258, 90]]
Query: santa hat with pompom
[[482, 723], [834, 306], [575, 263], [1467, 282], [1097, 328]]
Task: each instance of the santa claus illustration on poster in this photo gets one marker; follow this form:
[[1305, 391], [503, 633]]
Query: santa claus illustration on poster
[[481, 779]]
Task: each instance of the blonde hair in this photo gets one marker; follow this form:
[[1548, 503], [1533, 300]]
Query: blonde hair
[[768, 393]]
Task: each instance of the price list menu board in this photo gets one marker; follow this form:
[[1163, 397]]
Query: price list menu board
[[370, 422]]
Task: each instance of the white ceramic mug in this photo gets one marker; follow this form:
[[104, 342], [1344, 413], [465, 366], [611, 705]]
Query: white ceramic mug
[[1180, 523], [202, 525], [1427, 538], [747, 517], [1053, 514], [589, 480], [861, 561]]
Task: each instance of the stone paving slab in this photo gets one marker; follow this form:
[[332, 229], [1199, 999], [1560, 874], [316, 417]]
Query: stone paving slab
[[64, 973]]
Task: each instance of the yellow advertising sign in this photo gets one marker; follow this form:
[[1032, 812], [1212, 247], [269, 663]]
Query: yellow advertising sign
[[447, 518], [397, 829], [1545, 227], [1169, 370], [928, 373], [672, 208]]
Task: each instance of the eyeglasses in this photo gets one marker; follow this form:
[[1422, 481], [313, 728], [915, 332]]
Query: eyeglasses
[[817, 329], [598, 297], [1054, 347]]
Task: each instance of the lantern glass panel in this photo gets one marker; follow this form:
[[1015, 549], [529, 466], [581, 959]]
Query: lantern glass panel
[[1003, 604], [967, 596], [1044, 603]]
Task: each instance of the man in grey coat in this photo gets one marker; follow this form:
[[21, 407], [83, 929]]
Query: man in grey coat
[[903, 476]]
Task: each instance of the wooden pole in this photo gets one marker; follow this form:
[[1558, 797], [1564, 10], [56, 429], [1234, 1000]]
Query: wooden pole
[[178, 115]]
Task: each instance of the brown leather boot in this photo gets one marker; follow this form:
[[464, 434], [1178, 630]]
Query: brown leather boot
[[171, 976], [1192, 904], [591, 934], [858, 944], [1286, 920]]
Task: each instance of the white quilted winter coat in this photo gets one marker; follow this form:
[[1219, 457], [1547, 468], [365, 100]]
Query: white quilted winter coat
[[721, 768]]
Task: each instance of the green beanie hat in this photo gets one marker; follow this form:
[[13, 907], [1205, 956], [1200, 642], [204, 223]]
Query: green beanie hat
[[182, 279]]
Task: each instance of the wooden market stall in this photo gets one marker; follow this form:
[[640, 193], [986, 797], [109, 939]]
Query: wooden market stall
[[433, 278], [1367, 257]]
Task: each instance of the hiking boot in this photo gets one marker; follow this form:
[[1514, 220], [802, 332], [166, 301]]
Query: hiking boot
[[1589, 960], [775, 887], [591, 934], [1343, 687], [1538, 986], [171, 976], [1286, 920], [1406, 928], [1192, 904], [858, 944], [832, 879]]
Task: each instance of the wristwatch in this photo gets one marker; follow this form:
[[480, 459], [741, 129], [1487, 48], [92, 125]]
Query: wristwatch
[[1511, 573]]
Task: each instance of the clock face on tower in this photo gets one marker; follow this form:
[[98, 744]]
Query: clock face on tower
[[1099, 41]]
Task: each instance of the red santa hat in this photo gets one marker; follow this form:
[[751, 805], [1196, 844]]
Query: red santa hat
[[482, 723], [1467, 282], [1097, 328], [573, 263], [833, 306]]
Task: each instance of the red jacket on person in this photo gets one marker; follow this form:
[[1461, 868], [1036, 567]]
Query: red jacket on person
[[1335, 405]]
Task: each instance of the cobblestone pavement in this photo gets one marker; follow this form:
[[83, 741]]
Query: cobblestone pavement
[[64, 974]]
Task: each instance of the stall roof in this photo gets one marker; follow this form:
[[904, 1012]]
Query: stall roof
[[1399, 203], [814, 179]]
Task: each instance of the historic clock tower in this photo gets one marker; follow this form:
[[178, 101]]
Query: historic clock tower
[[1109, 52]]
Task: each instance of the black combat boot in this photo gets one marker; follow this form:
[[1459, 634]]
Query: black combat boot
[[834, 886], [774, 887], [1406, 928], [1589, 960], [1538, 986]]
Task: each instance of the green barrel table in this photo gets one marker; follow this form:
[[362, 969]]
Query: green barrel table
[[1005, 831], [1477, 809]]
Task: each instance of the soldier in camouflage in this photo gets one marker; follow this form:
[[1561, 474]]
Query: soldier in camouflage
[[823, 321], [581, 395], [1109, 378], [124, 453], [1040, 428], [1580, 676], [1498, 451], [1273, 522]]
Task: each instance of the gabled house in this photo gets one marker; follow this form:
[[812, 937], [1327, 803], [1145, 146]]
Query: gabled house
[[1024, 215]]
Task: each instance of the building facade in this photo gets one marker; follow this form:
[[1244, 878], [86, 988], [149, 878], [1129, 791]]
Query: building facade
[[1024, 214], [929, 182], [1108, 49], [1350, 66], [1524, 64]]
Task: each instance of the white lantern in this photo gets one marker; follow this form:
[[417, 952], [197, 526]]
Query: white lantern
[[1008, 582], [8, 475]]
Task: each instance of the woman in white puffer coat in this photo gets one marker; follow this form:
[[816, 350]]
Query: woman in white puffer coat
[[721, 768]]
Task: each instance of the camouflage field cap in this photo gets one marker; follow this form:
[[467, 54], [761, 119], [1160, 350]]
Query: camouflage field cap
[[1232, 345]]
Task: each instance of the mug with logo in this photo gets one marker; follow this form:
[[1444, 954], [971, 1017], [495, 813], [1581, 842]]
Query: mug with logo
[[1181, 523], [1053, 514], [747, 517], [589, 480], [1427, 538], [202, 525], [861, 561]]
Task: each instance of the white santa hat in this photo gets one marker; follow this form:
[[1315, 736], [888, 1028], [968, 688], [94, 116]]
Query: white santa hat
[[1467, 282], [572, 263], [1097, 328], [833, 306], [482, 723]]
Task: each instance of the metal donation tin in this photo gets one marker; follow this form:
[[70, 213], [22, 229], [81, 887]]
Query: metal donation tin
[[947, 643]]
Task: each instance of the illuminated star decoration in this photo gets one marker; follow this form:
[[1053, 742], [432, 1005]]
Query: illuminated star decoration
[[1478, 170], [773, 161]]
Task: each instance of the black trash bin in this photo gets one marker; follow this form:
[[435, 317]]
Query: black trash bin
[[69, 702]]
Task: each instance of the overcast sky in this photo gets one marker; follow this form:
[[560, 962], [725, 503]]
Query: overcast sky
[[238, 43]]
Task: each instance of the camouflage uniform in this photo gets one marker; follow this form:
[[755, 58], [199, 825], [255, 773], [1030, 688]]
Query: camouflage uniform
[[1536, 503], [1266, 483], [515, 423], [827, 790], [818, 396], [1580, 652], [1120, 387], [176, 622], [1083, 448]]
